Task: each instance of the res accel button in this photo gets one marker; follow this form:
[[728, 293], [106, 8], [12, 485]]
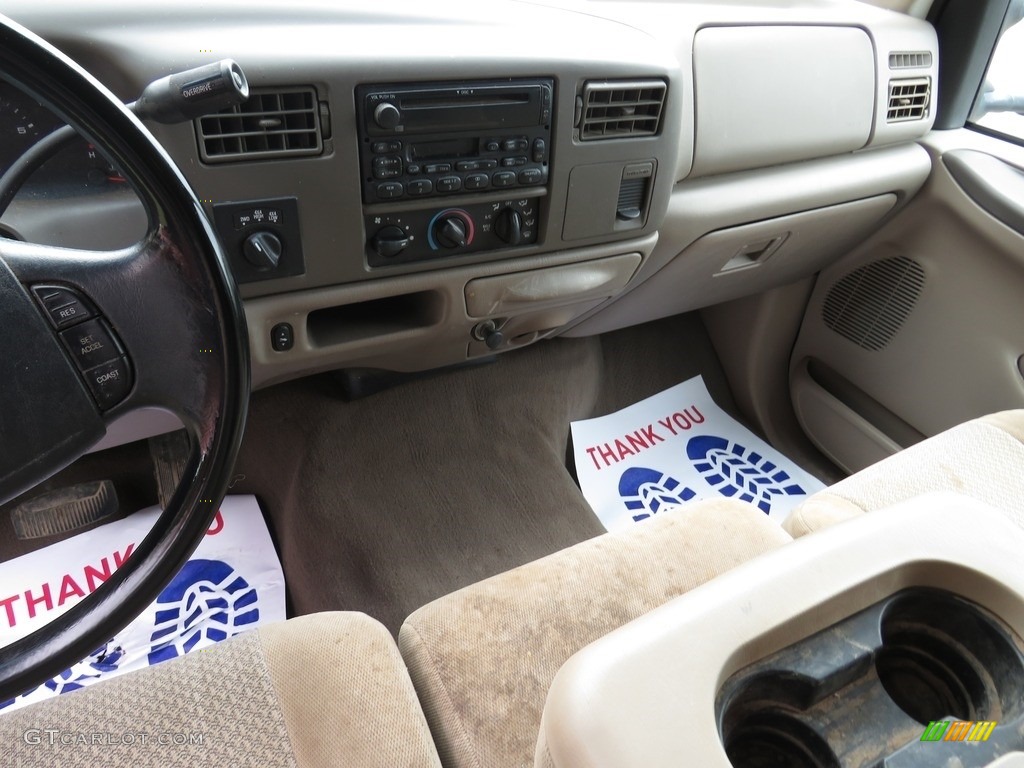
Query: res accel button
[[90, 344], [109, 382]]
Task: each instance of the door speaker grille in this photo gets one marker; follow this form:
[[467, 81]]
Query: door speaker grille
[[869, 305]]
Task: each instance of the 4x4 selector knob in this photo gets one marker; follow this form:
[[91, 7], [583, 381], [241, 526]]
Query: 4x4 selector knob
[[450, 231], [263, 250], [386, 115]]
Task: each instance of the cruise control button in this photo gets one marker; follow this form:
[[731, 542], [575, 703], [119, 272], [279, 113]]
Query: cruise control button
[[110, 382], [63, 306], [503, 179], [90, 344]]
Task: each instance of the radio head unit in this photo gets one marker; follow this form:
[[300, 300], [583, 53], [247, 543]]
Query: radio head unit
[[429, 140]]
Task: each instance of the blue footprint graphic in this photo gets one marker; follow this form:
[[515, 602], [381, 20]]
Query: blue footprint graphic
[[206, 600], [737, 472], [648, 491]]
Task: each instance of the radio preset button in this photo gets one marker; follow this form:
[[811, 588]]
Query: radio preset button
[[449, 184], [503, 179], [389, 190], [420, 187], [477, 181], [531, 176]]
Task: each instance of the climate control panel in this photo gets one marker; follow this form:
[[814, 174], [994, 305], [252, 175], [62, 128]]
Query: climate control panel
[[409, 236]]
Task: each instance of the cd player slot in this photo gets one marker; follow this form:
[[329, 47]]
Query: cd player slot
[[431, 102]]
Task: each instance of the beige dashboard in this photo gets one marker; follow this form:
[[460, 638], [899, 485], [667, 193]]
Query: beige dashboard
[[691, 153]]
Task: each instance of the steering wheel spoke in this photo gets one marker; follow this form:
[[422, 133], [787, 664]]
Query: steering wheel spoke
[[136, 323]]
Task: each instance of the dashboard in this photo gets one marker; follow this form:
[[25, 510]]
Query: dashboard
[[410, 187]]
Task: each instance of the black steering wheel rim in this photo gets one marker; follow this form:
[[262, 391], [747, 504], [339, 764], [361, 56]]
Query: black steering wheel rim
[[184, 260]]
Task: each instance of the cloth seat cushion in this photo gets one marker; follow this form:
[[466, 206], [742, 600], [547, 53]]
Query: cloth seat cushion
[[482, 659], [320, 690], [983, 458]]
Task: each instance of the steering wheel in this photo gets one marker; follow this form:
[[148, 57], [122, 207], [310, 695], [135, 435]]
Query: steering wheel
[[92, 335]]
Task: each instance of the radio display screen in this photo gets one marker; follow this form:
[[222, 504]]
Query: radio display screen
[[434, 150]]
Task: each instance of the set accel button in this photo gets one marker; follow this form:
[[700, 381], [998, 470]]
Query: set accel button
[[90, 344]]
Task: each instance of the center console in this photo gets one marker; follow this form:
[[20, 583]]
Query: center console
[[889, 641]]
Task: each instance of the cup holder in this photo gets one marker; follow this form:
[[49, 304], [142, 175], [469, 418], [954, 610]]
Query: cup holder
[[775, 740], [855, 694], [943, 658]]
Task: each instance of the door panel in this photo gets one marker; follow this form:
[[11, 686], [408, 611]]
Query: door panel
[[922, 326]]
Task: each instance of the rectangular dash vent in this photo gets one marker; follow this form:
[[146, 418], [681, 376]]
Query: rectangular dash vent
[[270, 124], [910, 59], [908, 99], [621, 109]]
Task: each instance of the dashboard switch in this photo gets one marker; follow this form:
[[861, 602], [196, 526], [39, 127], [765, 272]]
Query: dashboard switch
[[263, 250], [282, 337]]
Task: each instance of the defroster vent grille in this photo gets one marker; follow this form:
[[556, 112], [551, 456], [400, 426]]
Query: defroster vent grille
[[908, 99], [910, 59], [621, 110], [270, 124], [869, 305]]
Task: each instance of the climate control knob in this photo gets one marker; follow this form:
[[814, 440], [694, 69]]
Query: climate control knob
[[451, 232], [390, 241], [508, 226]]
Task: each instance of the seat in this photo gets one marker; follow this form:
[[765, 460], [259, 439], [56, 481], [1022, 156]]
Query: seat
[[980, 458], [482, 658], [320, 690]]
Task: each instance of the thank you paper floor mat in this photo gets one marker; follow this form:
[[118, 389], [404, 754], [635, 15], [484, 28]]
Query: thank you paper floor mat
[[676, 447], [232, 583]]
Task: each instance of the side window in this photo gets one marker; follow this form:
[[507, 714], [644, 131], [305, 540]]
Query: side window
[[1000, 103]]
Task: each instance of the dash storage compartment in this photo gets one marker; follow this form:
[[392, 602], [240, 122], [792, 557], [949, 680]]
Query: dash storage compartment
[[923, 678]]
